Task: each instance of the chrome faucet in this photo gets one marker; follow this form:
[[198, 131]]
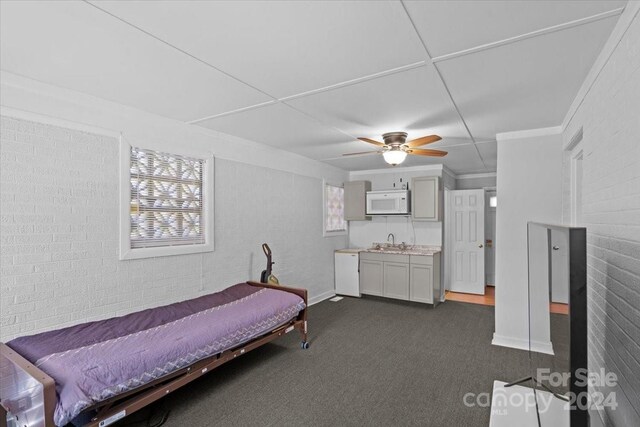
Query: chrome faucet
[[393, 239]]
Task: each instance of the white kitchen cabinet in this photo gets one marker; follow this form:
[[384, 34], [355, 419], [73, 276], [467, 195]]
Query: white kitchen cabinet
[[421, 283], [410, 278], [425, 198], [396, 280], [424, 280], [371, 276], [355, 200]]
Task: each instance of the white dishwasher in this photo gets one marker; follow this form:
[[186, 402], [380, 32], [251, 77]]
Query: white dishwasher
[[346, 270]]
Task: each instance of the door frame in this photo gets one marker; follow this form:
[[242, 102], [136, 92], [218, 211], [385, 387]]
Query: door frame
[[448, 235], [487, 209], [577, 157], [448, 242]]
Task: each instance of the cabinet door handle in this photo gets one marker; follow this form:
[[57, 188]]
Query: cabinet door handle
[[555, 248]]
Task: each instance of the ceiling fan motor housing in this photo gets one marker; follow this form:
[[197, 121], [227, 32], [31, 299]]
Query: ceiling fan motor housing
[[394, 138]]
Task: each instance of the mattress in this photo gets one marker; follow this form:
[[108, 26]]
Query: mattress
[[96, 361]]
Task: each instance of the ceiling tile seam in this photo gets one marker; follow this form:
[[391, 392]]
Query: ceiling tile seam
[[340, 85], [532, 34], [273, 98], [353, 156], [357, 80], [444, 84], [464, 122], [318, 121], [230, 112]]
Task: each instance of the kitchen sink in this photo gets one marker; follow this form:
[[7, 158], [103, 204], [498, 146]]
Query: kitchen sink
[[403, 249], [389, 248]]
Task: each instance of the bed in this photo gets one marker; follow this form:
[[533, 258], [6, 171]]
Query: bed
[[99, 372]]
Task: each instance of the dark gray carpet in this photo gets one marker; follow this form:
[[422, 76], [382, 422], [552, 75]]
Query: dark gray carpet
[[371, 361]]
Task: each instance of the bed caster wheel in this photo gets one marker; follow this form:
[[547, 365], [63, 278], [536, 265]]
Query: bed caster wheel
[[304, 345]]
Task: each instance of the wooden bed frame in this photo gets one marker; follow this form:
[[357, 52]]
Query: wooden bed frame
[[111, 410]]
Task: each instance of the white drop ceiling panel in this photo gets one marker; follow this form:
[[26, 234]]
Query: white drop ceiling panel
[[333, 150], [76, 46], [452, 26], [524, 85], [191, 60], [412, 101], [283, 47], [489, 153], [277, 125]]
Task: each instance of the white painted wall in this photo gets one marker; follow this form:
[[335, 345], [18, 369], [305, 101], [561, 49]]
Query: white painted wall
[[529, 189], [607, 108], [364, 233], [59, 213], [475, 181]]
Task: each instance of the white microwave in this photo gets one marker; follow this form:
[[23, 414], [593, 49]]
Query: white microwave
[[394, 202]]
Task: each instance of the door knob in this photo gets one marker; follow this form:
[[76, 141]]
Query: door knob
[[481, 245], [555, 248]]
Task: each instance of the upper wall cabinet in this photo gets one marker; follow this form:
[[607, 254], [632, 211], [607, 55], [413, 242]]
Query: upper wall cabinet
[[355, 200], [425, 198]]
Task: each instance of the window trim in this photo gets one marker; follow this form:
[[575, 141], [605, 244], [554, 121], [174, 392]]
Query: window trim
[[326, 233], [126, 252]]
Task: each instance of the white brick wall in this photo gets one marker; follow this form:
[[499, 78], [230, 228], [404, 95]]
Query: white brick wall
[[59, 233], [610, 117]]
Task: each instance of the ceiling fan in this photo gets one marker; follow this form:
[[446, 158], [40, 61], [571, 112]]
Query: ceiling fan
[[395, 147]]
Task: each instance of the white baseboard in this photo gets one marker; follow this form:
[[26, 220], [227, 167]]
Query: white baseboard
[[323, 296], [520, 344]]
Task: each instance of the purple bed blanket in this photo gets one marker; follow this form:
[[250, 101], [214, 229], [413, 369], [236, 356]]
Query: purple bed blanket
[[95, 361]]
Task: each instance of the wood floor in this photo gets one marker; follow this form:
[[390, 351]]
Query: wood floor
[[489, 298]]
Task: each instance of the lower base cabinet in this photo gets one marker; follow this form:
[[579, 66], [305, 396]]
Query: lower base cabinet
[[371, 277], [396, 280], [405, 277], [421, 283]]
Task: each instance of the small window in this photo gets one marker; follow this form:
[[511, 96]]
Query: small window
[[334, 222], [168, 211]]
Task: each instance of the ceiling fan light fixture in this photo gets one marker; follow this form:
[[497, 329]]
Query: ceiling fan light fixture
[[394, 157]]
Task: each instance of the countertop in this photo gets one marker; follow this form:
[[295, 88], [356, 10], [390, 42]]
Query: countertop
[[349, 250], [411, 250]]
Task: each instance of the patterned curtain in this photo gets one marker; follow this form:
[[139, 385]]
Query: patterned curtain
[[335, 208]]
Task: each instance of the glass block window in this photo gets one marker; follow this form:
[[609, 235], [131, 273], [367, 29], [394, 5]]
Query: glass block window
[[166, 199], [334, 218]]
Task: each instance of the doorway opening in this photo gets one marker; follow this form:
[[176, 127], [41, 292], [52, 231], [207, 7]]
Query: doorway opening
[[463, 294], [465, 241]]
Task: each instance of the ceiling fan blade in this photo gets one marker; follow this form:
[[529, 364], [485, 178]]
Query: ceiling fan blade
[[422, 141], [371, 141], [362, 153], [431, 153]]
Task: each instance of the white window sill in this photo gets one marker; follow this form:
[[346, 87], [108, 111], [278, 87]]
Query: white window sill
[[164, 251]]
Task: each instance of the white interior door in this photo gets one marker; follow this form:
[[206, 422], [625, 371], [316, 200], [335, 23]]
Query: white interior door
[[467, 229]]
